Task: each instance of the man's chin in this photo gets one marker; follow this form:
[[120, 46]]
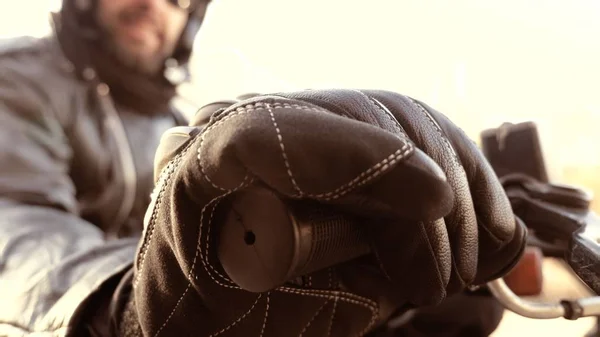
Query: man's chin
[[144, 61]]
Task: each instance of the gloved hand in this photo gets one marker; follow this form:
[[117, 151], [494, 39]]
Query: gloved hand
[[438, 219]]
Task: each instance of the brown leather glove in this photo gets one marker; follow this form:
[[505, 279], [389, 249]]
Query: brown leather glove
[[435, 215]]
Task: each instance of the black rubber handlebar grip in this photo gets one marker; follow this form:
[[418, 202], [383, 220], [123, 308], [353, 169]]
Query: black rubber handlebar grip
[[265, 241]]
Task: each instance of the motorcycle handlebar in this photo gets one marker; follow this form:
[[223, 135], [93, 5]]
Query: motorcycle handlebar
[[285, 240]]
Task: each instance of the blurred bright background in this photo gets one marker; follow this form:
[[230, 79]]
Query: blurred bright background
[[481, 63]]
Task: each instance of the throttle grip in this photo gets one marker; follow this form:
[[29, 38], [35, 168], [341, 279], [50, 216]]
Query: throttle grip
[[265, 241]]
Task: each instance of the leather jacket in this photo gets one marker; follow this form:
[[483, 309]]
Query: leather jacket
[[76, 174]]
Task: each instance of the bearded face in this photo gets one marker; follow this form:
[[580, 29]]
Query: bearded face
[[141, 34]]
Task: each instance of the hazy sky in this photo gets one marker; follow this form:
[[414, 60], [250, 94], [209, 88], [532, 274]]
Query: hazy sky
[[482, 62]]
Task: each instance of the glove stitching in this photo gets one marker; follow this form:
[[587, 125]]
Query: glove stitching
[[151, 223], [382, 108], [342, 296], [493, 236], [456, 159], [389, 115], [347, 297], [262, 331], [163, 181], [439, 130], [332, 295], [261, 106], [368, 175], [335, 303], [457, 273], [313, 318], [173, 311], [239, 319], [381, 265], [280, 105], [237, 112], [283, 153], [204, 257], [441, 282], [190, 273]]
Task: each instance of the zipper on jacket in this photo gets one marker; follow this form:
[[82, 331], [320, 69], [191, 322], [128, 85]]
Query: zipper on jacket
[[115, 125]]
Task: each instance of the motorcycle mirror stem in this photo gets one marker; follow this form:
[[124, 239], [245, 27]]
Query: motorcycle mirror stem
[[568, 309]]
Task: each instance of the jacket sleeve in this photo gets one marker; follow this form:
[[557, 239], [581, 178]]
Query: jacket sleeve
[[51, 260]]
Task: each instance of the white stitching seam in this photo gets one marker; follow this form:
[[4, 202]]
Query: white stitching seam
[[239, 319], [449, 147], [204, 257], [190, 273], [242, 110], [369, 174], [313, 318], [441, 282], [283, 153], [335, 303], [173, 311], [405, 150], [262, 331], [438, 129], [383, 109], [198, 247], [163, 180], [341, 296]]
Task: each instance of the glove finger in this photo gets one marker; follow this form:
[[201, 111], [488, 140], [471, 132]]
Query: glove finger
[[416, 258], [363, 277], [501, 237], [202, 117], [461, 222], [171, 144], [304, 151]]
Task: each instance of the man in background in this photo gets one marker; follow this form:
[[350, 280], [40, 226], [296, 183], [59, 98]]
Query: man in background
[[81, 116]]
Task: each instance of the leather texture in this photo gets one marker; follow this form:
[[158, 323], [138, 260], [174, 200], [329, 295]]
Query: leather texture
[[438, 219]]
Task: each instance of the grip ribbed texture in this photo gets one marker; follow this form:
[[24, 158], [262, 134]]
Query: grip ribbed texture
[[335, 239]]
